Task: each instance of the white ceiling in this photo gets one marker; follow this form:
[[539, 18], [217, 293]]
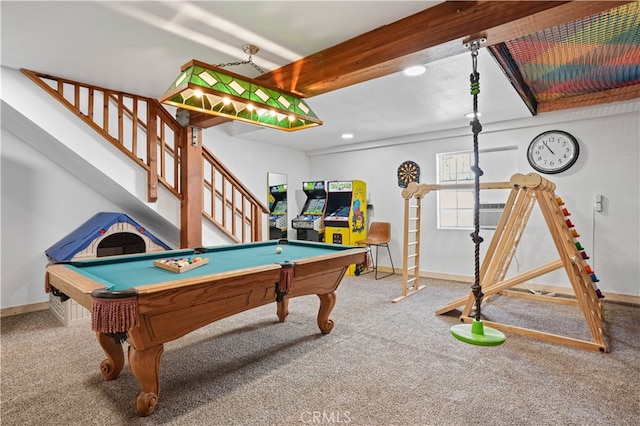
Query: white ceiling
[[138, 47]]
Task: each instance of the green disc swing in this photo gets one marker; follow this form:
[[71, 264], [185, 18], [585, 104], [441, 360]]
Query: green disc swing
[[476, 333]]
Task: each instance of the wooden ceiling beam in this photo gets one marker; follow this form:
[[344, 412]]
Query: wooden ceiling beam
[[432, 34], [435, 33]]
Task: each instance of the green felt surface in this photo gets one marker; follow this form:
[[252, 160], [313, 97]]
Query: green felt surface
[[124, 272]]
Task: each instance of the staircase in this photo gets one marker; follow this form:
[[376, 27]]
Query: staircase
[[147, 134]]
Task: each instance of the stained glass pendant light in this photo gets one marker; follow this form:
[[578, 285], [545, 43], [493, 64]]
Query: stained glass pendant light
[[213, 90]]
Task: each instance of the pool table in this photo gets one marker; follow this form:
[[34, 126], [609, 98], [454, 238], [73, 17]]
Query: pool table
[[163, 305]]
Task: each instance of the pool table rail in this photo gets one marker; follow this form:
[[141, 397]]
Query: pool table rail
[[323, 263], [76, 286]]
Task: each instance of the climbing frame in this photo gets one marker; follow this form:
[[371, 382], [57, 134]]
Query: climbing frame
[[412, 229], [528, 190], [411, 250]]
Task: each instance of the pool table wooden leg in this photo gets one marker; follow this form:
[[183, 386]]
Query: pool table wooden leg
[[145, 365], [327, 302], [112, 366], [283, 309]]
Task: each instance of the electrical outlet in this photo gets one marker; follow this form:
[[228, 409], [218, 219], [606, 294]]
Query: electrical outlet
[[597, 202]]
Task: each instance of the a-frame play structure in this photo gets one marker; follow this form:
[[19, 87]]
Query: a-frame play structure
[[528, 190]]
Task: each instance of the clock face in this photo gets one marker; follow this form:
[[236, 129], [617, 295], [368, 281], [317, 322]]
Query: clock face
[[553, 152]]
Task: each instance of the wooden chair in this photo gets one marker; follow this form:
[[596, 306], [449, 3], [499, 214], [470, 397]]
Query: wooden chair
[[379, 235]]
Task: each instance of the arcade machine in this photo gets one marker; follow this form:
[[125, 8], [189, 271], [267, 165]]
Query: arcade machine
[[309, 223], [277, 212], [345, 218]]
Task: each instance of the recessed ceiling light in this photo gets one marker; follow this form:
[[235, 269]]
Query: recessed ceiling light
[[347, 136], [415, 70]]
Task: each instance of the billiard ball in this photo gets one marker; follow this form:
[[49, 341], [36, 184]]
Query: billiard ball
[[278, 250]]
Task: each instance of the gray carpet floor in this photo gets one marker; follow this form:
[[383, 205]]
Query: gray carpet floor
[[383, 364]]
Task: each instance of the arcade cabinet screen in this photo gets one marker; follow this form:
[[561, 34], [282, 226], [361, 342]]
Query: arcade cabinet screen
[[280, 208], [341, 212], [315, 207]]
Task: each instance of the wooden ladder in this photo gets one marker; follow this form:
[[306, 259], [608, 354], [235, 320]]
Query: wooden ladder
[[411, 250]]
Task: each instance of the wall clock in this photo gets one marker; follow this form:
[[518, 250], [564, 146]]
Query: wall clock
[[408, 172], [553, 151]]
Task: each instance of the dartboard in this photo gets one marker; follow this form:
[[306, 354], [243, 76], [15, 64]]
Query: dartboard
[[408, 172]]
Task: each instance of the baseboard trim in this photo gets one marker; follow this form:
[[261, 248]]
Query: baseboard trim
[[16, 310], [447, 277], [544, 288]]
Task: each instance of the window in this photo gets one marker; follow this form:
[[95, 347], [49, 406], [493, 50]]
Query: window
[[455, 207]]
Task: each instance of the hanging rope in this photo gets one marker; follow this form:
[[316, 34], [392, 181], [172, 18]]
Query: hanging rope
[[476, 333], [476, 127]]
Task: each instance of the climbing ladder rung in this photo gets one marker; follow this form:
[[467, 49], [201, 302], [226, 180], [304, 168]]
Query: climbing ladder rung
[[411, 239]]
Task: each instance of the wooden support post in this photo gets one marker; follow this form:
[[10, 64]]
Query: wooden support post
[[192, 206], [152, 150]]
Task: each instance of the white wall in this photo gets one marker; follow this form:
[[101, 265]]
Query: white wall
[[608, 164], [250, 162], [41, 202]]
